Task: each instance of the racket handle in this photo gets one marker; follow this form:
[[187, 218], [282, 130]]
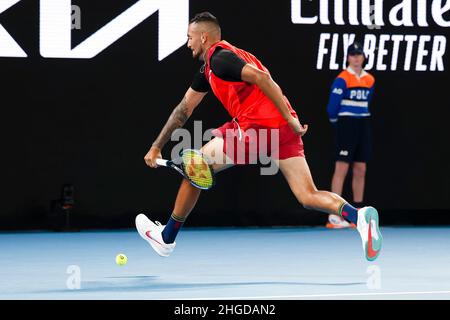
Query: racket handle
[[161, 162]]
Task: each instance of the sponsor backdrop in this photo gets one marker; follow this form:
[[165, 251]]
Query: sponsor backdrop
[[87, 85]]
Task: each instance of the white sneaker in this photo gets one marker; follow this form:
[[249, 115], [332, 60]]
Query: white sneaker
[[369, 230], [336, 222], [151, 232]]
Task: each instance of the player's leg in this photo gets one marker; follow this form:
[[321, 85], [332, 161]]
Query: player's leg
[[162, 238], [188, 195], [337, 185], [298, 176]]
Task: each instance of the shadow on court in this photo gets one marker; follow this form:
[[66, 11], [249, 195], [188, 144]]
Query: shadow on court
[[152, 284]]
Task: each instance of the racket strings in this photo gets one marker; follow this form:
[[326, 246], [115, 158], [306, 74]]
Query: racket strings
[[197, 169]]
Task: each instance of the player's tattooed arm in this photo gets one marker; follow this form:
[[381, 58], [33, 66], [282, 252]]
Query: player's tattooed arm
[[176, 120], [179, 116]]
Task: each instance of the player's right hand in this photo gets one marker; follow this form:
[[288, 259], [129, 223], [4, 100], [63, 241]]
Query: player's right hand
[[151, 156], [298, 128]]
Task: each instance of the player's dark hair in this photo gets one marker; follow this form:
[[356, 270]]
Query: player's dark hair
[[205, 17]]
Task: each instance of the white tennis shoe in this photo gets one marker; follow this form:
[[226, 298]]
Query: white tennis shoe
[[369, 230], [151, 232]]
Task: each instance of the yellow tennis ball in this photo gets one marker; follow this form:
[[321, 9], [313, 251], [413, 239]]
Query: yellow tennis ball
[[121, 259]]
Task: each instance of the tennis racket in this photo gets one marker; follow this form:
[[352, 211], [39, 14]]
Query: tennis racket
[[192, 165]]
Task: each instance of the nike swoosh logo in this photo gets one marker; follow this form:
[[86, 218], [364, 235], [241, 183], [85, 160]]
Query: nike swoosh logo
[[148, 235], [371, 253]]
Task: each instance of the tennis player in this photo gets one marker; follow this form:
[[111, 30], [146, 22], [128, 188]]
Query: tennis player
[[254, 101]]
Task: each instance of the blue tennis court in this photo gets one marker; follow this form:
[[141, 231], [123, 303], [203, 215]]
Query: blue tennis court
[[227, 263]]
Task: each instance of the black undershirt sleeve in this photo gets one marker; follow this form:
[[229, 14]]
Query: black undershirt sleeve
[[227, 65], [199, 83]]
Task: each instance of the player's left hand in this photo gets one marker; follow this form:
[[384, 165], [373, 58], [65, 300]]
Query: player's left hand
[[298, 128]]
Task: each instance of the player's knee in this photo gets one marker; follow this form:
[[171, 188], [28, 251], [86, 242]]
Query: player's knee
[[307, 199]]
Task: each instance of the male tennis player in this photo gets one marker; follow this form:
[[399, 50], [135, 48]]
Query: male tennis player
[[348, 111], [254, 101]]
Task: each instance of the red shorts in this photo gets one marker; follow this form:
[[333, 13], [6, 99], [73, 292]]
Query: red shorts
[[257, 143]]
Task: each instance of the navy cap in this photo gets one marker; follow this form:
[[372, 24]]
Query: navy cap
[[355, 48]]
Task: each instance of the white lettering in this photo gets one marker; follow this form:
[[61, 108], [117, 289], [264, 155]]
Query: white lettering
[[385, 52], [382, 52], [437, 54], [324, 12], [396, 44], [338, 12], [337, 91], [379, 13], [334, 47], [410, 39], [422, 13], [370, 42], [401, 14], [187, 310], [421, 52], [353, 12], [437, 11], [366, 13], [296, 14], [322, 50], [405, 8]]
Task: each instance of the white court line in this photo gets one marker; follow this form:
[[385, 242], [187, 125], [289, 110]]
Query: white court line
[[318, 295]]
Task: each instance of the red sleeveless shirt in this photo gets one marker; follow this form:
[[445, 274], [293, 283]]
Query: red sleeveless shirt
[[244, 101]]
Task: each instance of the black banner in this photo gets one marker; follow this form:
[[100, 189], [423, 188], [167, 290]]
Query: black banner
[[88, 85]]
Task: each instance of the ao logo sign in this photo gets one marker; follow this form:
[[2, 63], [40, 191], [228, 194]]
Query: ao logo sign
[[55, 29]]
